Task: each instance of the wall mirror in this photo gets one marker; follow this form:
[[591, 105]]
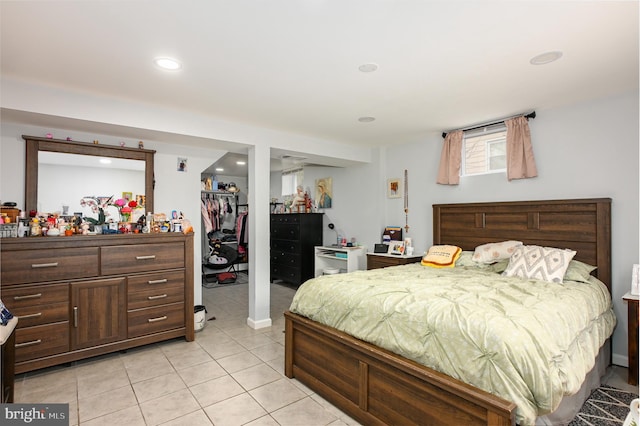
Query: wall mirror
[[59, 173]]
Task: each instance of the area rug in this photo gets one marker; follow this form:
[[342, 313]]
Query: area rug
[[606, 406]]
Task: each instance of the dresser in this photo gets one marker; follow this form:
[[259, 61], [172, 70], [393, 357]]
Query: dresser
[[81, 296], [293, 239], [382, 260]]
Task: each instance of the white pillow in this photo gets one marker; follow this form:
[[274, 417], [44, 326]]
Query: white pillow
[[540, 263], [493, 252]]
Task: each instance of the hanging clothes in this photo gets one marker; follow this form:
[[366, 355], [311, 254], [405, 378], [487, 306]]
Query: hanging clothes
[[213, 207], [206, 218], [242, 232]]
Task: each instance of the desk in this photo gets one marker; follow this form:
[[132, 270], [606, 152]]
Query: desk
[[345, 259], [632, 335]]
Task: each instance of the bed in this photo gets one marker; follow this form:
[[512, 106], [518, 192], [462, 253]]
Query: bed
[[376, 386]]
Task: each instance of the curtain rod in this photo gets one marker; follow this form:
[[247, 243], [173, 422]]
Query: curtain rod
[[532, 114]]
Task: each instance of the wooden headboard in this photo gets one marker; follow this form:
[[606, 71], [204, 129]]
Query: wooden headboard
[[583, 225]]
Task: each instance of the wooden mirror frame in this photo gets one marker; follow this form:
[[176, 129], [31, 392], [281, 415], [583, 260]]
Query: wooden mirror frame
[[36, 144]]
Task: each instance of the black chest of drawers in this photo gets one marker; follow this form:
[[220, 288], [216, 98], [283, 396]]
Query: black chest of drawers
[[293, 238]]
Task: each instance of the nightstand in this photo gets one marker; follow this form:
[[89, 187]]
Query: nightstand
[[632, 312], [382, 260]]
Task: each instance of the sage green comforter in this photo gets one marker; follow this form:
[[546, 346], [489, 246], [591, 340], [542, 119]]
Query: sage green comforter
[[527, 341]]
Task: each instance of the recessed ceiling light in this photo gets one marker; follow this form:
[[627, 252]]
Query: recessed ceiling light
[[105, 161], [241, 163], [219, 169], [168, 64], [546, 58], [366, 119], [368, 67]]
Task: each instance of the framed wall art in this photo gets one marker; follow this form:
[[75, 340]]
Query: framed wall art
[[324, 192], [394, 188]]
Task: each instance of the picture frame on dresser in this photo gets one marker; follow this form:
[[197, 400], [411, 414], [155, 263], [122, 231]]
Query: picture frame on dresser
[[396, 248]]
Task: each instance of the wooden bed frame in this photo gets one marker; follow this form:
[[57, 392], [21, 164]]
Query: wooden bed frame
[[377, 387]]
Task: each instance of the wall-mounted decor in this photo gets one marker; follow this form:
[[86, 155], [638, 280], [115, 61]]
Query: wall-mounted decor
[[394, 188], [324, 192], [182, 164]]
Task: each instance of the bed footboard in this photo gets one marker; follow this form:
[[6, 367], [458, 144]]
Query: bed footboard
[[375, 386]]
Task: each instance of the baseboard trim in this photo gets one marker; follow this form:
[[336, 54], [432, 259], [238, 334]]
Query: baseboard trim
[[620, 360], [259, 324]]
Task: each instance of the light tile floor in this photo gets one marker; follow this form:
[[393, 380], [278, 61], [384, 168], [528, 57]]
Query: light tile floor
[[230, 375]]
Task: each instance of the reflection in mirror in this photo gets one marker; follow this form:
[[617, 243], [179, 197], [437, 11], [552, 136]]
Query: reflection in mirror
[[61, 184], [65, 179]]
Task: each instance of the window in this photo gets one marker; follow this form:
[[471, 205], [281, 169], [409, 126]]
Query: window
[[290, 181], [484, 150]]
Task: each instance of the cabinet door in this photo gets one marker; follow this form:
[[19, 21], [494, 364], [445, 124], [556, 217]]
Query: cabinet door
[[99, 312]]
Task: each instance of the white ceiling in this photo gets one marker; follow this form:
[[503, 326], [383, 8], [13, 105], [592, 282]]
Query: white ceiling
[[292, 65]]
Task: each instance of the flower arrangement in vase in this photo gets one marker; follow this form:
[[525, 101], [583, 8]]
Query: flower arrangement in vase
[[100, 206], [125, 208]]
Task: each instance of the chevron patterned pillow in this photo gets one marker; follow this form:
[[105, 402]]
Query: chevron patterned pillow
[[540, 263]]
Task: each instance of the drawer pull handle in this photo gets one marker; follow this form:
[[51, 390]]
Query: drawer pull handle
[[44, 265], [28, 296], [160, 296], [162, 318], [158, 281], [30, 316], [75, 316], [33, 342], [150, 257]]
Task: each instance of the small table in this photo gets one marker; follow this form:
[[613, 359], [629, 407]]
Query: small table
[[632, 335], [382, 260]]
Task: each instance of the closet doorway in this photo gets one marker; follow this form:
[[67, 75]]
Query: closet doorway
[[224, 215]]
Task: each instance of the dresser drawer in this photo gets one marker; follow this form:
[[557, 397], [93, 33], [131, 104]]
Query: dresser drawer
[[286, 273], [155, 289], [41, 314], [285, 232], [286, 245], [30, 266], [285, 219], [29, 296], [141, 258], [284, 259], [41, 341], [153, 320]]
